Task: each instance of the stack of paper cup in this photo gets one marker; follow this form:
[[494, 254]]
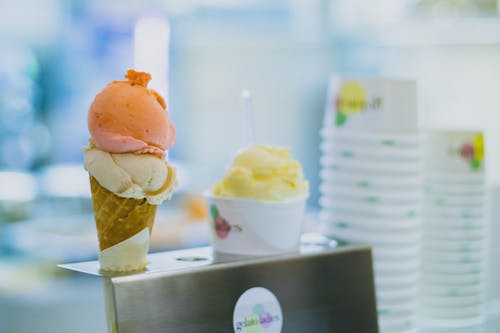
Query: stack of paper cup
[[454, 228], [494, 245], [371, 177]]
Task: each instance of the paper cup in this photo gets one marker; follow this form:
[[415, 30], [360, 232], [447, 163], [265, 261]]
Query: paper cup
[[383, 238], [453, 312], [455, 234], [452, 257], [396, 309], [375, 210], [371, 196], [384, 267], [454, 323], [373, 182], [445, 200], [396, 281], [396, 252], [368, 223], [458, 291], [456, 301], [453, 245], [454, 223], [455, 189], [493, 244], [362, 103], [464, 190], [452, 268], [401, 295], [452, 279], [250, 227], [403, 324], [395, 237], [370, 153], [454, 178], [383, 168], [372, 138], [454, 212]]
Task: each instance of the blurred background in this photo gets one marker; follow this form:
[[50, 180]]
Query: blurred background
[[55, 55]]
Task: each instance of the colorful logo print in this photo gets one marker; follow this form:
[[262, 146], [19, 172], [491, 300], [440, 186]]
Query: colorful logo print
[[257, 321], [351, 99], [220, 224], [473, 152], [257, 311]]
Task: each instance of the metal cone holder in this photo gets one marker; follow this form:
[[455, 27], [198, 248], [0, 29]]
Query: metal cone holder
[[322, 288]]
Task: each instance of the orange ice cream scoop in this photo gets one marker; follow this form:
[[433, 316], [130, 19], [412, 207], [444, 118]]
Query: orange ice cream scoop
[[127, 117]]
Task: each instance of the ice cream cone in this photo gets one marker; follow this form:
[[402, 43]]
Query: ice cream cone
[[118, 219], [130, 133]]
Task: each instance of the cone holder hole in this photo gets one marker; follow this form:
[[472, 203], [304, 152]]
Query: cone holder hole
[[191, 259]]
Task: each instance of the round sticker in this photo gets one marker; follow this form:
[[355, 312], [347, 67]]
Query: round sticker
[[257, 311]]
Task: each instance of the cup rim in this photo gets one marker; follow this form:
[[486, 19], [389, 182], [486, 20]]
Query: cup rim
[[416, 135]]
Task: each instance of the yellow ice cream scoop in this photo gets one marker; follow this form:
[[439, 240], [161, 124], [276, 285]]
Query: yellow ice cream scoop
[[263, 173]]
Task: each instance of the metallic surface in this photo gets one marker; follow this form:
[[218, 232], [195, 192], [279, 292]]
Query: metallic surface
[[320, 289]]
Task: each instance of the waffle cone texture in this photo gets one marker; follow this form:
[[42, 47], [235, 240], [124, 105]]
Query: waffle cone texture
[[118, 219]]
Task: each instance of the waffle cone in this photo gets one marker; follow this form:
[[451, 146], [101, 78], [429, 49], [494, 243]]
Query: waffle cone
[[118, 219]]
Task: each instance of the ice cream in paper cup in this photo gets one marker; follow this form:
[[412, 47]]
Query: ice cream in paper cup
[[258, 207]]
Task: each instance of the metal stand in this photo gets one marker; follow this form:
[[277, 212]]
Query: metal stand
[[319, 289]]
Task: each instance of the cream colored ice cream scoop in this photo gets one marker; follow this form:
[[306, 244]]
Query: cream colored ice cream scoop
[[264, 173]]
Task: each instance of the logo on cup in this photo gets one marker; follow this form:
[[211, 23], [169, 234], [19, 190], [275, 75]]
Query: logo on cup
[[220, 224], [257, 310], [473, 152], [351, 100], [258, 320]]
